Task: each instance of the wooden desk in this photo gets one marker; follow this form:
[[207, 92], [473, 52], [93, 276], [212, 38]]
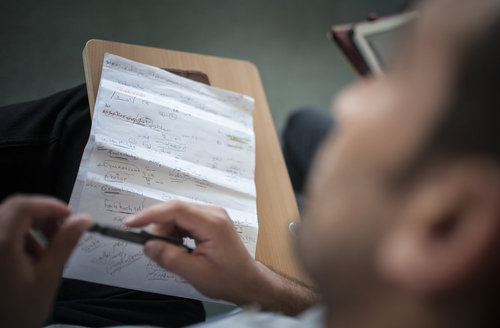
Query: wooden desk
[[276, 204]]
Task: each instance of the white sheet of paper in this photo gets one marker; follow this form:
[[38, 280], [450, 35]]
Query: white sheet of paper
[[156, 136]]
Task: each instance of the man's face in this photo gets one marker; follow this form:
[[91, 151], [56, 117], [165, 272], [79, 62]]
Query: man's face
[[380, 125]]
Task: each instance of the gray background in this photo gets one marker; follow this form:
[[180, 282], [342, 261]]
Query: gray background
[[41, 41]]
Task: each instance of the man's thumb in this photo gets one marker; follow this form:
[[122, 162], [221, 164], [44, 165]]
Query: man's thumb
[[170, 257], [62, 244]]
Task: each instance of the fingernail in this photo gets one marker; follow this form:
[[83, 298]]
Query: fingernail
[[130, 219], [84, 223], [152, 249]]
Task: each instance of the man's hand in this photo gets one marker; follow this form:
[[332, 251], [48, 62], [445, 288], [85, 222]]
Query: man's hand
[[30, 272], [220, 267], [220, 258]]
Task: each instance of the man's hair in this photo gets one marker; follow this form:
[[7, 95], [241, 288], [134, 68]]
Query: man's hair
[[470, 126]]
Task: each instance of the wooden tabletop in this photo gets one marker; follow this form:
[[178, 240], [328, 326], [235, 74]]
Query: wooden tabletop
[[276, 206]]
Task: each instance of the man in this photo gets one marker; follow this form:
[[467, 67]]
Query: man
[[402, 220]]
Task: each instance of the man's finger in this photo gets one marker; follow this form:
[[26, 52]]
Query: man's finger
[[62, 244], [168, 229], [160, 213], [174, 258], [32, 245], [197, 219], [22, 211], [47, 227]]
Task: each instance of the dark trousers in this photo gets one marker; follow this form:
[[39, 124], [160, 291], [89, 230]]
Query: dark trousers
[[41, 144], [304, 132]]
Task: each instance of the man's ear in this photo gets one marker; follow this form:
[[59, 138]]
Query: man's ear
[[446, 228]]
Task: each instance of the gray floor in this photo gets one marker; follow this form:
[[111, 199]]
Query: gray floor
[[42, 42]]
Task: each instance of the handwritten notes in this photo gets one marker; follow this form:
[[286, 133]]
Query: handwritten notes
[[156, 137]]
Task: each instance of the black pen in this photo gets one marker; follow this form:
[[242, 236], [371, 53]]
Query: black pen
[[136, 237]]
